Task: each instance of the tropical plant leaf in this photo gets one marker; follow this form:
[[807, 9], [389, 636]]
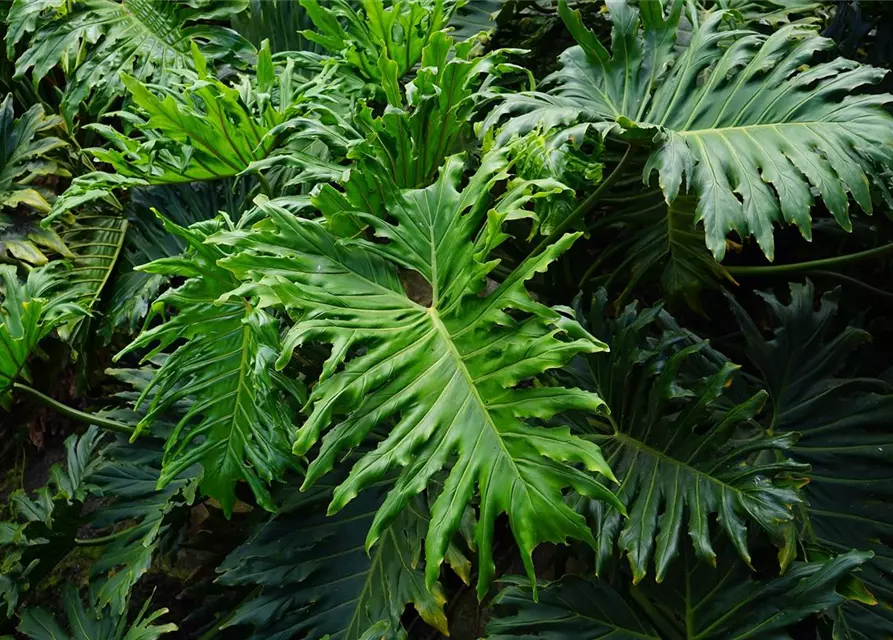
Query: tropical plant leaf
[[26, 158], [734, 114], [844, 424], [236, 428], [29, 312], [133, 291], [299, 596], [381, 43], [645, 238], [447, 374], [279, 21], [205, 129], [678, 445], [572, 608], [45, 522], [767, 12], [96, 241], [427, 120], [147, 39], [704, 603], [471, 17], [92, 622]]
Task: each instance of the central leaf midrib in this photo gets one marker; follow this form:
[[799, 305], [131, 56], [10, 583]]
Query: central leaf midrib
[[626, 440], [459, 364]]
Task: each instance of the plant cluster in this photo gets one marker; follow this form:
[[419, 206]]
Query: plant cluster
[[414, 318]]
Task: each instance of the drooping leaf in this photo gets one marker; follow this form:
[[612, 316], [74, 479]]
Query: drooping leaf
[[447, 374], [28, 313], [139, 513], [236, 429], [844, 424], [702, 603], [147, 39], [328, 584], [91, 622], [681, 449], [645, 238], [279, 21], [734, 115]]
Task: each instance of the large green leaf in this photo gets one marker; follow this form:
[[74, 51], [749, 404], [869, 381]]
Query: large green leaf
[[221, 360], [28, 313], [736, 115], [92, 622], [329, 585], [678, 445], [844, 420], [147, 39], [700, 603], [444, 375]]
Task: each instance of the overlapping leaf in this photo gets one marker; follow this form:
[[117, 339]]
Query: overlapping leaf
[[223, 351], [91, 622], [45, 522], [702, 603], [147, 39], [682, 450], [28, 313], [25, 158], [735, 115], [328, 584], [447, 375], [845, 426], [382, 43], [206, 129]]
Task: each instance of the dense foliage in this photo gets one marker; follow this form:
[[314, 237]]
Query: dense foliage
[[386, 319]]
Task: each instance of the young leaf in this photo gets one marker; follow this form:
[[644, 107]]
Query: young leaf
[[446, 374], [29, 312]]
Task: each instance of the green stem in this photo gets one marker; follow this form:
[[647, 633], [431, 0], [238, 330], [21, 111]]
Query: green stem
[[89, 418], [811, 265], [852, 281]]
